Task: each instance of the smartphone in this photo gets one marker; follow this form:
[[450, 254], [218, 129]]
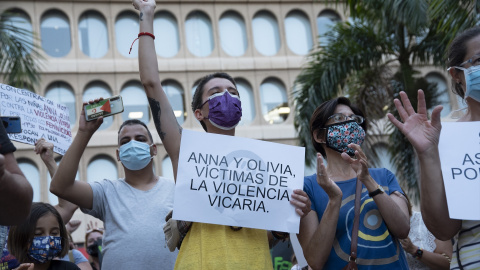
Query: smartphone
[[12, 124], [105, 107]]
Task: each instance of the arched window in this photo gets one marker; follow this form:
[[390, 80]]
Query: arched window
[[248, 102], [62, 93], [233, 35], [325, 21], [176, 97], [19, 19], [166, 26], [273, 95], [298, 32], [126, 29], [96, 90], [30, 171], [55, 33], [101, 167], [266, 36], [167, 168], [198, 29], [442, 92], [93, 34], [135, 102]]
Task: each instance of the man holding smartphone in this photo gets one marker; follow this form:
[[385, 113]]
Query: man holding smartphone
[[132, 209]]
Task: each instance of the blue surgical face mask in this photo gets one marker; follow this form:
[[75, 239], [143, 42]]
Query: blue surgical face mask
[[472, 80], [44, 248], [135, 155]]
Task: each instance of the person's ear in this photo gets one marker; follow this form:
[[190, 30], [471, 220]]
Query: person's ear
[[118, 154], [199, 114], [319, 135], [154, 150], [456, 75]]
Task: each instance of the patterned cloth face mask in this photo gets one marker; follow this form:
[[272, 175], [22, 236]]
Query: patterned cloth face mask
[[44, 248], [340, 135], [135, 155], [225, 110], [472, 80]]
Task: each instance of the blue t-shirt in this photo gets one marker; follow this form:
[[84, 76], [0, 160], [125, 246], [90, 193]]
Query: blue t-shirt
[[377, 248]]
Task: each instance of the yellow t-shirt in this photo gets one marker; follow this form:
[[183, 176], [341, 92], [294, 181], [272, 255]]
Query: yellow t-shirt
[[209, 246]]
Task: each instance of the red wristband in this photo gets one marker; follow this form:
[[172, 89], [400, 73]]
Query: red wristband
[[139, 35]]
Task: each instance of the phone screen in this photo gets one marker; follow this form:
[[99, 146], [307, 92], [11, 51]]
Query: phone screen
[[105, 107]]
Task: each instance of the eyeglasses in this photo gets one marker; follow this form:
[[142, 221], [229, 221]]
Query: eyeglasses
[[100, 230], [338, 117], [474, 61]]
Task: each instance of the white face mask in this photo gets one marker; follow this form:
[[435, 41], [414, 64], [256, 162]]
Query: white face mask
[[472, 79]]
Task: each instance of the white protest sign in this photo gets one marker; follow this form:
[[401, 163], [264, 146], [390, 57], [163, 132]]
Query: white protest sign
[[237, 181], [40, 117], [459, 149]]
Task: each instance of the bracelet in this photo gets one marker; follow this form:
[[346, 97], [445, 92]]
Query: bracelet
[[139, 35]]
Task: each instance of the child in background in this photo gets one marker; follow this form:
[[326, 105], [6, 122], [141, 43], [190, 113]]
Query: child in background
[[39, 239]]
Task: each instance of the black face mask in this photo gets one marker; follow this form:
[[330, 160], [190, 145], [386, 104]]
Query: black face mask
[[95, 249]]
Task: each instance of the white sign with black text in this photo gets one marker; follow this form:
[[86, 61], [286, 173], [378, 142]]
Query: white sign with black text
[[459, 149], [237, 181]]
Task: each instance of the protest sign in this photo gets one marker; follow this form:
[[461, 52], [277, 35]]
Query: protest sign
[[40, 117], [237, 181], [459, 149]]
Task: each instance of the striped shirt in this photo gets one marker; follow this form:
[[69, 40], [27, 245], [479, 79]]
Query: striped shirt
[[468, 245]]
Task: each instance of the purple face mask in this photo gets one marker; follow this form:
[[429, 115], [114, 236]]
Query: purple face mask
[[225, 110]]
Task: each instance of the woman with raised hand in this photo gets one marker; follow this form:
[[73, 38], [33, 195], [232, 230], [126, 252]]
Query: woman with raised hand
[[424, 135], [338, 128]]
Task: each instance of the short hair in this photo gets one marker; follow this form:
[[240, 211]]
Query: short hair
[[197, 97], [131, 122], [457, 52], [99, 230], [21, 236], [320, 117]]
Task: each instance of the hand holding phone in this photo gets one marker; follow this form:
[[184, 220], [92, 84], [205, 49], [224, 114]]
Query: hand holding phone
[[12, 124], [104, 107]]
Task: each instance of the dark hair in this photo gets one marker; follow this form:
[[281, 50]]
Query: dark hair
[[457, 52], [197, 97], [131, 122], [409, 203], [320, 117], [21, 236]]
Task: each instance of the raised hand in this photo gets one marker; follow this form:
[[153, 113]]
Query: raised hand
[[142, 4], [45, 150], [359, 164], [89, 126], [301, 202], [327, 184], [422, 133]]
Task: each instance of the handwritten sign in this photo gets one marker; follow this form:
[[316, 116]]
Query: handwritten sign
[[237, 181], [459, 149], [40, 117]]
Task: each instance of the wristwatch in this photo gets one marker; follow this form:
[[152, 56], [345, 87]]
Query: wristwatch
[[377, 191], [418, 254]]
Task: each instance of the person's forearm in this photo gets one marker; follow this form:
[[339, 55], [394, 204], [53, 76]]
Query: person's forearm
[[16, 196], [433, 198], [64, 177], [395, 218], [320, 245]]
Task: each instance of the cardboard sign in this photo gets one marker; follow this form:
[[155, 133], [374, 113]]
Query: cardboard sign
[[459, 149], [237, 181], [40, 117]]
